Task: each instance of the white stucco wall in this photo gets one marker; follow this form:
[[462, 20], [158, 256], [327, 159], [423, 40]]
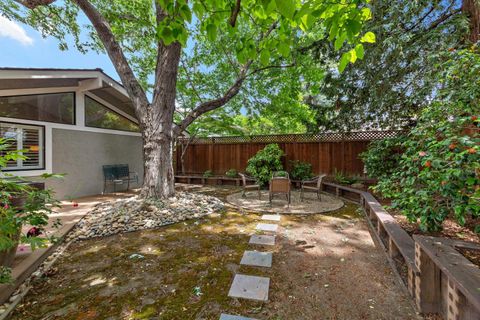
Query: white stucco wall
[[81, 154]]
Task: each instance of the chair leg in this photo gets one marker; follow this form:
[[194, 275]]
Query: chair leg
[[104, 186], [301, 194], [243, 193]]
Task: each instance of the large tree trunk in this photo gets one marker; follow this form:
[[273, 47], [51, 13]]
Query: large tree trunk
[[471, 8], [159, 178]]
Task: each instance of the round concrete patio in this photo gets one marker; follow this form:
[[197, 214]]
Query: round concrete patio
[[310, 205]]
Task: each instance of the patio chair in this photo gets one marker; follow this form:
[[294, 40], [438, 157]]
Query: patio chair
[[247, 187], [280, 184], [313, 185]]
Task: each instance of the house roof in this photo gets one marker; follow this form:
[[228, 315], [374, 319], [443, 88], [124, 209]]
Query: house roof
[[92, 80]]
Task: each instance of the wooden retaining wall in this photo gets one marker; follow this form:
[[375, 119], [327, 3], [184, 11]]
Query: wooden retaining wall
[[438, 277]]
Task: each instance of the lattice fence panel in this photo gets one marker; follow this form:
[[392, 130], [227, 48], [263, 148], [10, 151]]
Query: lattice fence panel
[[289, 138]]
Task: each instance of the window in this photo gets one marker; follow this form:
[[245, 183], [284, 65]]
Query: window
[[99, 116], [52, 107], [28, 139]]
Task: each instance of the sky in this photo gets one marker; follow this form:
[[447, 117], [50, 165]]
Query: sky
[[24, 47]]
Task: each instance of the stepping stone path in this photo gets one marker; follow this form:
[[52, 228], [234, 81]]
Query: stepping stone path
[[263, 240], [271, 217], [267, 227], [254, 287], [250, 287], [230, 317], [257, 259]]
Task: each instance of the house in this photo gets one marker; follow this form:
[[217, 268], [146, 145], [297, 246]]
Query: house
[[69, 121]]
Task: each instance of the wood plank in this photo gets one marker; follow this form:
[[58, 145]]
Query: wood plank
[[459, 269]]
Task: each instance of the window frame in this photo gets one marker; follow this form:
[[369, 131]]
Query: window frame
[[111, 110], [74, 123], [43, 153]]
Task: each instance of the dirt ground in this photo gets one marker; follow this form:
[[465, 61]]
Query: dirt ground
[[324, 267]]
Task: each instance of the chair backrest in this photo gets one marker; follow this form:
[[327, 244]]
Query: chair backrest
[[108, 172], [279, 184], [115, 171], [319, 181], [122, 171]]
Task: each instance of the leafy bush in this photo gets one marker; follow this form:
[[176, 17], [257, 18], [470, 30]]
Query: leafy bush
[[265, 162], [438, 174], [382, 157], [301, 170], [232, 173], [342, 178], [208, 174], [36, 205]]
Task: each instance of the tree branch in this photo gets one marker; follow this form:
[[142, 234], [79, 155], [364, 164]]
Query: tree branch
[[215, 103], [293, 64], [32, 4], [235, 12], [115, 52]]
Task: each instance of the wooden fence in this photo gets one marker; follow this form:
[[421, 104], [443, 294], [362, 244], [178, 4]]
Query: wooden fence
[[326, 152]]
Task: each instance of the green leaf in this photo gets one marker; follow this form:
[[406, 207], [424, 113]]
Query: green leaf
[[185, 13], [359, 50], [167, 35], [344, 60], [339, 41], [199, 10], [286, 8], [265, 57], [353, 55], [284, 49], [369, 37], [211, 32]]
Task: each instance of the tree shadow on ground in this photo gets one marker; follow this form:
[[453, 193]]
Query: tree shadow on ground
[[324, 267]]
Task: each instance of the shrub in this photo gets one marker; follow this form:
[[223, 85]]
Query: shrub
[[265, 162], [438, 174], [232, 173], [301, 170], [208, 174], [382, 157], [342, 178], [36, 205]]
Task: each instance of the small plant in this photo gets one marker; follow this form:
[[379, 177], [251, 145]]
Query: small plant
[[232, 173], [20, 205], [208, 174], [342, 178], [301, 170], [281, 174], [265, 162]]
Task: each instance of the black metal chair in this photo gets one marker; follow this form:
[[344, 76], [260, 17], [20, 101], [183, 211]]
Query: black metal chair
[[118, 174]]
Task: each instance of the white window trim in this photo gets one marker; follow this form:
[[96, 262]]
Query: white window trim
[[49, 126], [41, 139]]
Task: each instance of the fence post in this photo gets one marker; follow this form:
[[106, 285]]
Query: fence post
[[427, 284]]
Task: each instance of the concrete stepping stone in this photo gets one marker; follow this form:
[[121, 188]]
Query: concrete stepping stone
[[224, 316], [263, 240], [257, 259], [271, 217], [267, 227], [250, 287]]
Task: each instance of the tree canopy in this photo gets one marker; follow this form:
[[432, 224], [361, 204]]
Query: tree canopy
[[399, 75]]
